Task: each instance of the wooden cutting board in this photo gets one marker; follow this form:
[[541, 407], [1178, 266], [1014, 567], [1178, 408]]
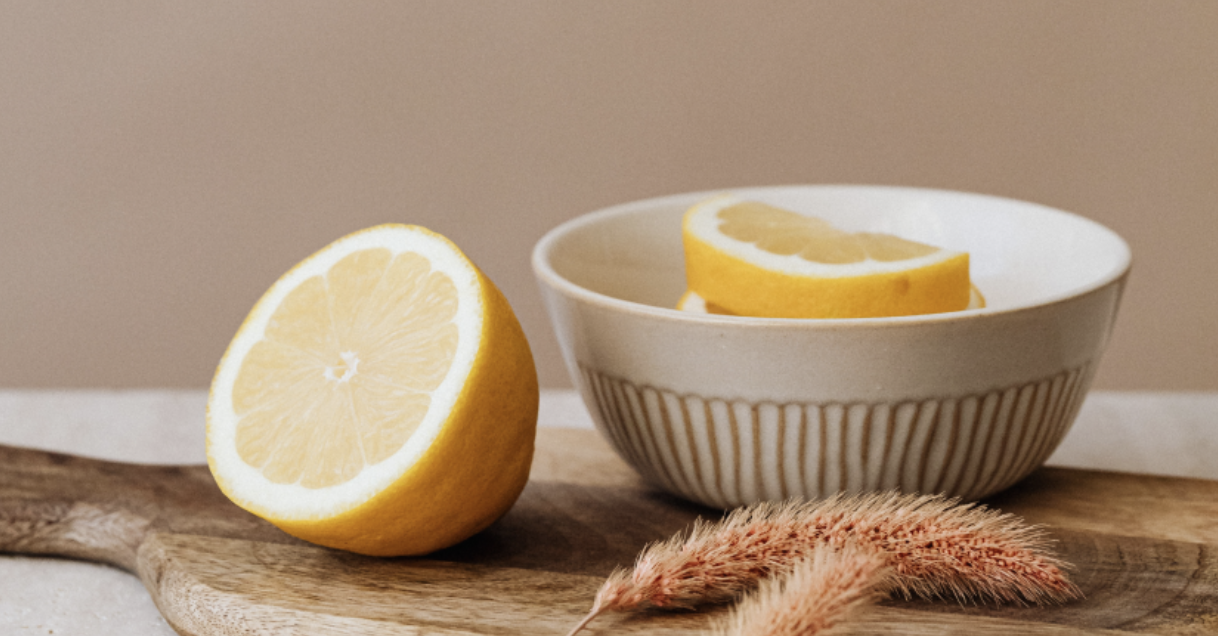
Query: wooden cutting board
[[1144, 548]]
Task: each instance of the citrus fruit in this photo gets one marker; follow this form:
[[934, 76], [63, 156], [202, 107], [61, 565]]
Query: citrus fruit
[[754, 259], [975, 299], [379, 398], [690, 301]]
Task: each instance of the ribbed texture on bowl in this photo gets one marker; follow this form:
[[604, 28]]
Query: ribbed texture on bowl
[[729, 452]]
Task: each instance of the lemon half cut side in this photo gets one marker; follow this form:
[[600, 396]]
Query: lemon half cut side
[[380, 398], [754, 259]]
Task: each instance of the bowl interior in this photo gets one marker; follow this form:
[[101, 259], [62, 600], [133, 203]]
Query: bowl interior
[[1020, 253]]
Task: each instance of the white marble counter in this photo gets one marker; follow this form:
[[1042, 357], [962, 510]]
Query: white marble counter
[[1156, 433]]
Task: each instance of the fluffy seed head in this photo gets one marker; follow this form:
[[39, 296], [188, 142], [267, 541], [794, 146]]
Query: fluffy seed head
[[820, 593], [935, 547]]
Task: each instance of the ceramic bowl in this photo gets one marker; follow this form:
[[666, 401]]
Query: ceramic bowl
[[728, 410]]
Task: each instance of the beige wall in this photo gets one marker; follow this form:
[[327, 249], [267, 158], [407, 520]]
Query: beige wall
[[162, 163]]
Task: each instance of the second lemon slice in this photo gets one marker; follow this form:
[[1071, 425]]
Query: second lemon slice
[[693, 303], [754, 259]]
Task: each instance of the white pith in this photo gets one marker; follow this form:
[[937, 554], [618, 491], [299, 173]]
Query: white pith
[[247, 485]]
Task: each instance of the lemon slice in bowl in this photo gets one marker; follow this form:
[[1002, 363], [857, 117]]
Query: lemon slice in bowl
[[379, 398], [755, 259], [691, 302]]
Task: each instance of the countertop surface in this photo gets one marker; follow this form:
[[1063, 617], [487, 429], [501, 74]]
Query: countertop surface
[[1158, 433]]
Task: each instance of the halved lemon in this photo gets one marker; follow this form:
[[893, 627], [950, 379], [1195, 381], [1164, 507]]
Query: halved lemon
[[380, 398], [754, 259]]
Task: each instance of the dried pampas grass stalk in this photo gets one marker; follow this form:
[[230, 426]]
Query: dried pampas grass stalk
[[820, 593], [935, 546]]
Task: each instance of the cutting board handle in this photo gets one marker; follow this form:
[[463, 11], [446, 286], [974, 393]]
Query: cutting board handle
[[63, 505]]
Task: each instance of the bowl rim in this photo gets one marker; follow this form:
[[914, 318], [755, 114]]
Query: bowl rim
[[546, 273]]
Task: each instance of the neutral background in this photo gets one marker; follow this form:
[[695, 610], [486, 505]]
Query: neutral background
[[162, 163]]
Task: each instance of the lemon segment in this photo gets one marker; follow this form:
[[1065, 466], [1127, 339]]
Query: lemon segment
[[380, 398], [754, 259]]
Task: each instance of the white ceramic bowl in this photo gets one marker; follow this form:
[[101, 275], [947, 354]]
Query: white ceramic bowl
[[727, 410]]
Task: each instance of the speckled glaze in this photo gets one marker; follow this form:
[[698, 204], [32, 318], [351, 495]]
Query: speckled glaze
[[728, 410]]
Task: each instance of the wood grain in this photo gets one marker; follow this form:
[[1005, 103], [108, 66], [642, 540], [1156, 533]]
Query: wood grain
[[1144, 549]]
